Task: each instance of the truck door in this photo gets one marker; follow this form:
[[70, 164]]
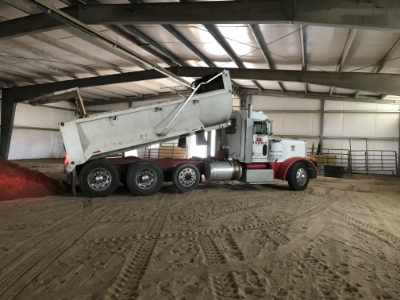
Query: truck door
[[260, 141]]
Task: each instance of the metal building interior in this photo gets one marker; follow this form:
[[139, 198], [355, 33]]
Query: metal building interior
[[325, 72]]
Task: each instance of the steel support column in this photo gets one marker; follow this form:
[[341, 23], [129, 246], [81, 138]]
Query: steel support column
[[7, 122], [244, 101], [303, 51], [322, 123], [209, 143], [398, 152]]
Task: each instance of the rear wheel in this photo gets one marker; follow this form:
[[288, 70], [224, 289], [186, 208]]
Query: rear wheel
[[186, 177], [144, 178], [99, 178], [298, 177]]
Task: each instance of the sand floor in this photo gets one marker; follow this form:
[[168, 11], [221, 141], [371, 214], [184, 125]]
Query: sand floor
[[340, 239]]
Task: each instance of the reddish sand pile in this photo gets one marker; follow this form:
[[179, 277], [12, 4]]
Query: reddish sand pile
[[18, 182]]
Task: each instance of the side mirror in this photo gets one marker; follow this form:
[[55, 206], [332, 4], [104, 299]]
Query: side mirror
[[200, 138], [231, 129], [182, 141]]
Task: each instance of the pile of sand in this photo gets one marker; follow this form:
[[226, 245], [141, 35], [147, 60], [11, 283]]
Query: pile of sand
[[18, 182]]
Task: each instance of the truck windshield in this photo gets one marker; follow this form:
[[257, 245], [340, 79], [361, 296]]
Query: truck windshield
[[261, 127]]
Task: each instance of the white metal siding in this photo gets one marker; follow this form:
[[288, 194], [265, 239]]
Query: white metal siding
[[38, 143], [341, 121], [295, 124]]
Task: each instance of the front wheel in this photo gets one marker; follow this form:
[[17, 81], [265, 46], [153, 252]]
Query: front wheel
[[186, 177], [98, 178], [298, 177], [144, 178]]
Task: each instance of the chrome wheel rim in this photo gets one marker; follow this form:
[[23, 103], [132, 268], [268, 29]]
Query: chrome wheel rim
[[187, 177], [146, 179], [301, 176], [99, 179]]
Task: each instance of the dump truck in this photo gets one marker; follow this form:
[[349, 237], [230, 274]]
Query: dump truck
[[247, 151]]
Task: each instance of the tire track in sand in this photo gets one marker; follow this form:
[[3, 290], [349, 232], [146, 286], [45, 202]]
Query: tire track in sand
[[234, 247], [223, 285], [127, 282], [16, 277], [380, 234], [42, 237]]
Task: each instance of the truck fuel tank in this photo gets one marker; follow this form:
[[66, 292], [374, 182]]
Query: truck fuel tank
[[223, 170]]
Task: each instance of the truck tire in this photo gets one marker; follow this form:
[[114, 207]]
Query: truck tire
[[186, 177], [298, 177], [144, 178], [99, 178]]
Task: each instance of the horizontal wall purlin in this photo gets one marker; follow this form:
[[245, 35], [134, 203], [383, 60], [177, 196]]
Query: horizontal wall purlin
[[327, 12], [36, 128], [305, 136], [55, 107], [312, 111], [381, 83], [318, 96]]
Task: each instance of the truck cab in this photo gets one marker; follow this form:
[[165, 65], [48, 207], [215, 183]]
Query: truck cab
[[250, 140], [262, 156]]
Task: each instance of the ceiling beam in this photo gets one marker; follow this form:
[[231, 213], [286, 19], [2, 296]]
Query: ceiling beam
[[374, 14], [181, 38], [248, 92], [153, 48], [345, 53], [32, 91], [147, 40], [381, 83], [350, 80], [303, 51], [214, 31], [85, 31], [134, 35], [75, 50], [388, 55], [28, 7], [148, 44], [21, 77], [383, 61], [260, 40]]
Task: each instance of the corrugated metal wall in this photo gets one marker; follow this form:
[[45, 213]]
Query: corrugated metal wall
[[346, 125], [370, 126], [36, 133], [301, 118], [289, 116]]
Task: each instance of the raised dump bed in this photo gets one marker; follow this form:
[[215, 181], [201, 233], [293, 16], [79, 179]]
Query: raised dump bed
[[111, 132]]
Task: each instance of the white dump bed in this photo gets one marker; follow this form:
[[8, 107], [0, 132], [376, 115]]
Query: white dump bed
[[112, 132]]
